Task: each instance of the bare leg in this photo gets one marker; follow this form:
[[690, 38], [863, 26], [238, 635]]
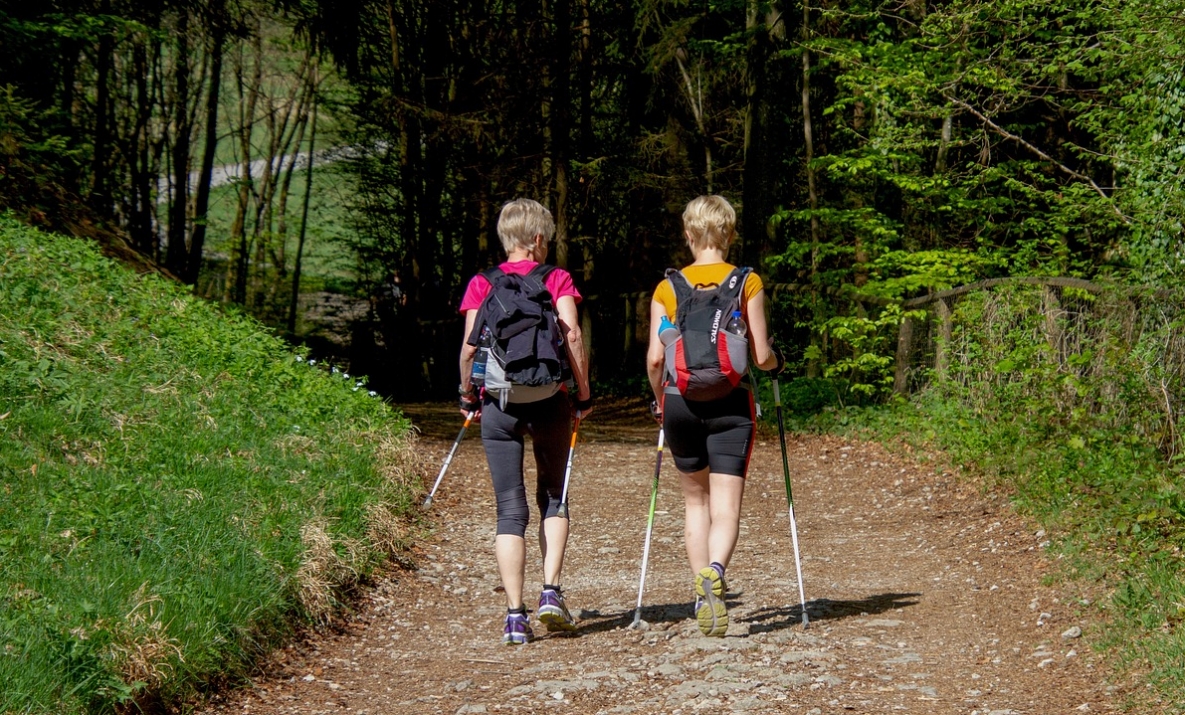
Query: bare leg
[[553, 541], [725, 498], [511, 553], [712, 517], [697, 517]]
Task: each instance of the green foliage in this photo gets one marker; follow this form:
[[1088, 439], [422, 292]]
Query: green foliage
[[971, 141], [33, 163], [1070, 403], [164, 466], [868, 367]]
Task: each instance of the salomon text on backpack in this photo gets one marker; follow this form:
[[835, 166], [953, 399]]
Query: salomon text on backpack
[[707, 362], [526, 361]]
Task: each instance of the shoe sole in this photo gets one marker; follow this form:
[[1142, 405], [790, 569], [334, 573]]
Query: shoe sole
[[519, 638], [554, 619], [712, 615]]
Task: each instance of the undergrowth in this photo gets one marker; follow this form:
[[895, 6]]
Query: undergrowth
[[180, 490], [1072, 412]]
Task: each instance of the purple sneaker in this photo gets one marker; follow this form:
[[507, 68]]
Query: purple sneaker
[[518, 629], [553, 613]]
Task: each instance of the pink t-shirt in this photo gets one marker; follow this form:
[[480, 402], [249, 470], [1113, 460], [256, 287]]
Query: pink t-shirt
[[559, 284]]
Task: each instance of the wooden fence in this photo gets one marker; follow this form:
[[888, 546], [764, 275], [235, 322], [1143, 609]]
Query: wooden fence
[[939, 322]]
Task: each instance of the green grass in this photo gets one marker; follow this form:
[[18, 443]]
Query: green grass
[[166, 470]]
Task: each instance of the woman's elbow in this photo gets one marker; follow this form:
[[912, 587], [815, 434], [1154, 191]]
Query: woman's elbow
[[655, 362]]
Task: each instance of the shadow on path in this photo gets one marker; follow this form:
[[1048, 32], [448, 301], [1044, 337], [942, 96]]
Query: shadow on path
[[594, 621], [823, 609]]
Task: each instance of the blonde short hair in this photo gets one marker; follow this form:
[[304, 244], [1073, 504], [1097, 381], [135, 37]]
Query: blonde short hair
[[710, 221], [521, 220]]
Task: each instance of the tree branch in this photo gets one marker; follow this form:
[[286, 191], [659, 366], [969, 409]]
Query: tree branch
[[1035, 150]]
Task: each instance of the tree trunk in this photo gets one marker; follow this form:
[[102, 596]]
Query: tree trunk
[[176, 253], [695, 98], [236, 284], [304, 222], [813, 196], [756, 204], [193, 261], [560, 121], [143, 176], [281, 242], [100, 194]]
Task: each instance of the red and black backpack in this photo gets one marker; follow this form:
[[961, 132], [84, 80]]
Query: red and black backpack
[[706, 362]]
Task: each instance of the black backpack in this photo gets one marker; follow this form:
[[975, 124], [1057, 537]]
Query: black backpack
[[706, 362], [527, 361]]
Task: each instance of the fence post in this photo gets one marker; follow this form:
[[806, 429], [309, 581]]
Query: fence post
[[942, 349], [904, 345], [1051, 306]]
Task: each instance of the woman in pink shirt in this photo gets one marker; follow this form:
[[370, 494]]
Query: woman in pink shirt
[[525, 228]]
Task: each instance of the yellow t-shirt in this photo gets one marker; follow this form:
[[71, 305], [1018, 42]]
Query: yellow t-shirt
[[707, 274]]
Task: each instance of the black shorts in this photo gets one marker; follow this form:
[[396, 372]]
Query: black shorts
[[717, 434]]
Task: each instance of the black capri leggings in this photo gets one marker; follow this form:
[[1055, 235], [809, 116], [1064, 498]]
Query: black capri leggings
[[548, 422], [717, 434]]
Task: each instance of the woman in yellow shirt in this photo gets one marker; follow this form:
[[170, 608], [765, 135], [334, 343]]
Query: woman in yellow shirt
[[711, 439]]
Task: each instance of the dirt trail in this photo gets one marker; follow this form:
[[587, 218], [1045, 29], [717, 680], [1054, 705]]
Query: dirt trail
[[923, 597]]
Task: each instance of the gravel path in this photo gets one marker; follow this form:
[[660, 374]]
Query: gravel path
[[923, 597]]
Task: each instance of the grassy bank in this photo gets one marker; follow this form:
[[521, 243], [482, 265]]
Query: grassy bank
[[179, 489]]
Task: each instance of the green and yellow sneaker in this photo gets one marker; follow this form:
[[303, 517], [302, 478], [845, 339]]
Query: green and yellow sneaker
[[710, 611]]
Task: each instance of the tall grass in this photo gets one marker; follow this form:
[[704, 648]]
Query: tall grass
[[179, 489]]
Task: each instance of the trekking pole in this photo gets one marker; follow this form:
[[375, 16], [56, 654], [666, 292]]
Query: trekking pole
[[649, 528], [563, 510], [449, 458], [790, 500]]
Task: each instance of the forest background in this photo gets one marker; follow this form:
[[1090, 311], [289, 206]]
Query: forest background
[[288, 157], [876, 152]]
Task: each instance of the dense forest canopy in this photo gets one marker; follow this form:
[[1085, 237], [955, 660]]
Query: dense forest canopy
[[876, 151]]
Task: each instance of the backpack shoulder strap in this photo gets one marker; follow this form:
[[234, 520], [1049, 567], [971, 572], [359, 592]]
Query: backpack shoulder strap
[[492, 274], [539, 275], [733, 284], [679, 284], [541, 271]]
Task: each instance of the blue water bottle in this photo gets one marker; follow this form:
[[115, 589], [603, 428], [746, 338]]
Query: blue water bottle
[[667, 332]]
